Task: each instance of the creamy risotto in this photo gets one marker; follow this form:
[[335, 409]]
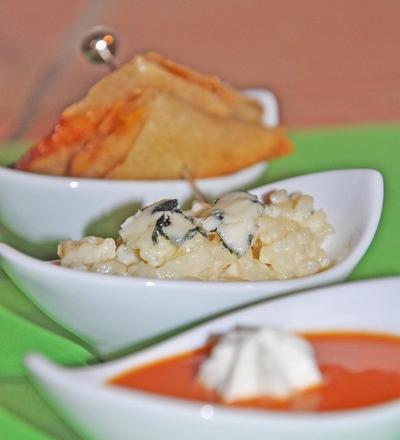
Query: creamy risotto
[[236, 238]]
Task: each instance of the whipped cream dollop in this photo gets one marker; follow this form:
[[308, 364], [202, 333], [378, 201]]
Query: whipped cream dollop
[[255, 362]]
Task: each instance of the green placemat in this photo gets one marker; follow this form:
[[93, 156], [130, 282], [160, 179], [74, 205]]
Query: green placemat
[[19, 336], [13, 428], [23, 414]]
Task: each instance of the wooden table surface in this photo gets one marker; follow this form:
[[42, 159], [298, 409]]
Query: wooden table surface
[[329, 62]]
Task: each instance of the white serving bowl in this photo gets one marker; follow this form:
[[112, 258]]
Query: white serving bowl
[[113, 312], [103, 412], [44, 209]]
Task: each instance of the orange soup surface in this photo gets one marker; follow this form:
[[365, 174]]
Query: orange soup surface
[[359, 370]]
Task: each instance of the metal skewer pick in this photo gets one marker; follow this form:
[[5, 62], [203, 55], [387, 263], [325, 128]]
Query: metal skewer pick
[[198, 195], [100, 46]]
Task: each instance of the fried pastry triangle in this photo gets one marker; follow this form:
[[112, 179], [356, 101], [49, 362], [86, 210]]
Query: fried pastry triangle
[[150, 119]]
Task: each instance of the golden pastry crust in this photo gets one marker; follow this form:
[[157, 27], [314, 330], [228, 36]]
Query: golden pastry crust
[[150, 119], [212, 145]]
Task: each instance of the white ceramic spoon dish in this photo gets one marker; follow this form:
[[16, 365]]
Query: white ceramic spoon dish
[[113, 312], [104, 412], [41, 208]]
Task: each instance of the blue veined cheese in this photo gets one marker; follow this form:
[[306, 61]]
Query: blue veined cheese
[[137, 225], [234, 218], [176, 227], [248, 363], [164, 219], [156, 231]]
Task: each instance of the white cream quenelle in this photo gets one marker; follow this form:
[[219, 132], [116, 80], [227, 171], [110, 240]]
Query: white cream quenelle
[[235, 238], [248, 363]]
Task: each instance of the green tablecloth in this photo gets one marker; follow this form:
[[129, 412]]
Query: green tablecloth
[[23, 328]]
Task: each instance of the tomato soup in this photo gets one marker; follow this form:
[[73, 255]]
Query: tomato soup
[[359, 370]]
